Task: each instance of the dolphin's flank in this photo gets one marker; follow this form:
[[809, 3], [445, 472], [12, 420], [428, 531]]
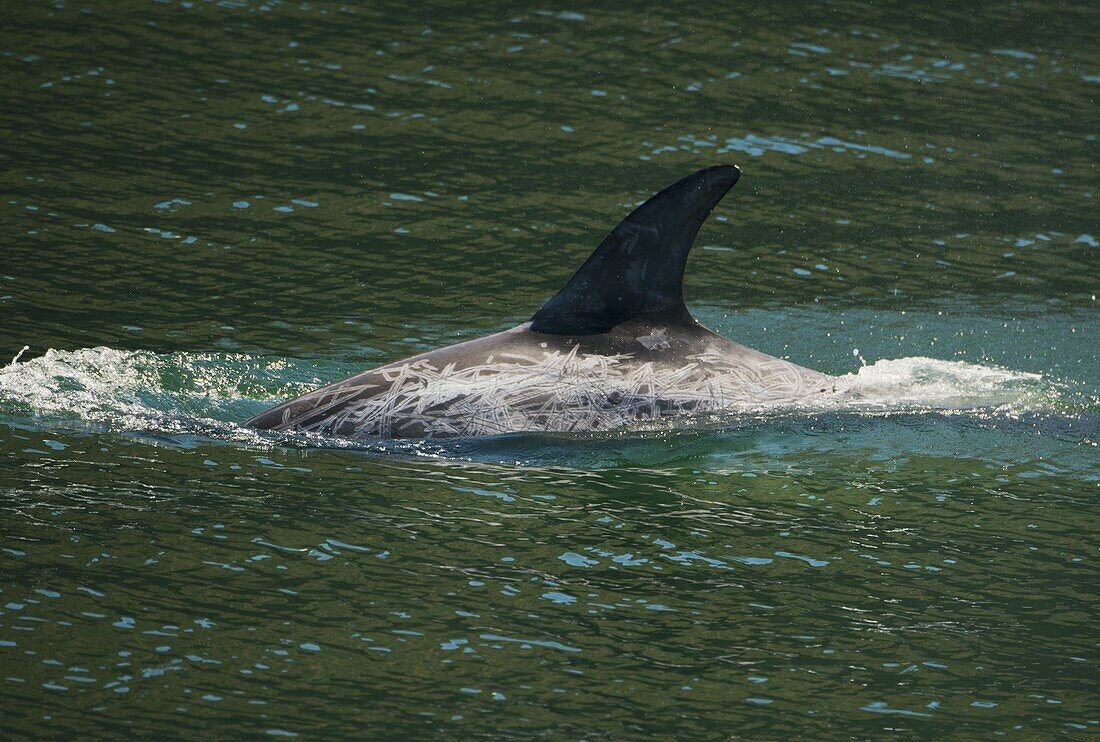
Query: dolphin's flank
[[615, 346]]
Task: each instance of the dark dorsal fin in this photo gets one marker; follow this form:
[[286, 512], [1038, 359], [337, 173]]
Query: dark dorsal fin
[[638, 270]]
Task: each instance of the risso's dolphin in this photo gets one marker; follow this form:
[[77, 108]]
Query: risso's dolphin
[[615, 346]]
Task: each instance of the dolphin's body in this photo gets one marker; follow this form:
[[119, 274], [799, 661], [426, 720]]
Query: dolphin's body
[[615, 346]]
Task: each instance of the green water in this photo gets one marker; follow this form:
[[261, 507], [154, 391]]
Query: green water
[[206, 208]]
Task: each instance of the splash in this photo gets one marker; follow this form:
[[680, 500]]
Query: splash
[[144, 391], [917, 383], [208, 393]]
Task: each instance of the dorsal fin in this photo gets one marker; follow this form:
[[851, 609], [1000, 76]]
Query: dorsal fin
[[638, 270]]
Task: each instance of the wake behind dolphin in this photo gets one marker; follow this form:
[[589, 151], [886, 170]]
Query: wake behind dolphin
[[615, 347]]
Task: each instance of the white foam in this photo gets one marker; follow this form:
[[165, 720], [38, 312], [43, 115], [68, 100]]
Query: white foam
[[93, 383], [931, 383], [140, 390], [204, 393]]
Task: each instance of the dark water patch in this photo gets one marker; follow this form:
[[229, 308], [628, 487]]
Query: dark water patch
[[210, 206]]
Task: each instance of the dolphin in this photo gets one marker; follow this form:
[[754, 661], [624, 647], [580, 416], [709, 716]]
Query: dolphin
[[615, 347]]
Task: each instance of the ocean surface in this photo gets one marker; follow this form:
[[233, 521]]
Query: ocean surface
[[209, 207]]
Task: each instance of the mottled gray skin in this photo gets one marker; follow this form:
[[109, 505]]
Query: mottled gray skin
[[615, 347], [514, 381]]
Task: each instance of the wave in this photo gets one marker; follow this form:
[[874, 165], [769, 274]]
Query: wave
[[143, 391], [919, 383], [209, 393]]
